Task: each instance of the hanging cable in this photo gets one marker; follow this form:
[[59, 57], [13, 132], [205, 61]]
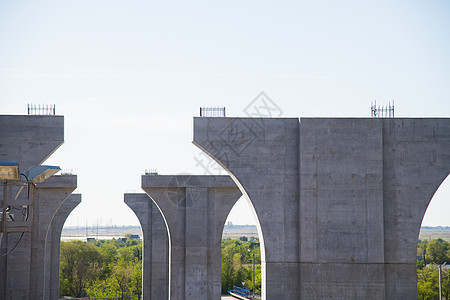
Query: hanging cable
[[3, 255]]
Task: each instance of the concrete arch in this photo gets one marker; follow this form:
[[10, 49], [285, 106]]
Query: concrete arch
[[261, 155], [53, 246], [30, 140], [340, 200], [258, 226], [445, 181], [195, 209], [155, 260], [23, 274], [254, 214], [416, 161]]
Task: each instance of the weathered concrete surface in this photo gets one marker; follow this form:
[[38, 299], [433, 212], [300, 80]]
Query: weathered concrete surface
[[155, 269], [53, 246], [29, 140], [195, 209], [346, 197], [23, 270], [261, 155], [341, 209], [416, 161]]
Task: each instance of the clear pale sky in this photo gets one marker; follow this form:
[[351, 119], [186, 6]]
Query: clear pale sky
[[129, 76]]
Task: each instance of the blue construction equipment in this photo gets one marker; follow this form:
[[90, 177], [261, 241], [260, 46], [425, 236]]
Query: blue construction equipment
[[239, 293]]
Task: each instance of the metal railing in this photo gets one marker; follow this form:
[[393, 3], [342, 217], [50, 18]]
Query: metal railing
[[151, 172], [381, 111], [212, 111], [41, 109], [67, 172]]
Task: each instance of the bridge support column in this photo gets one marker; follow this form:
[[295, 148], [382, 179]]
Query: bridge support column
[[53, 246], [155, 260], [195, 209], [23, 270], [340, 200], [261, 155]]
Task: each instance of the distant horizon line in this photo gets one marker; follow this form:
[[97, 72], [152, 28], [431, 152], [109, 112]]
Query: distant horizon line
[[226, 225]]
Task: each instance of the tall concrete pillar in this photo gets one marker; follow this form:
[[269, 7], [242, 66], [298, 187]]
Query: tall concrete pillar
[[155, 269], [195, 209], [416, 160], [53, 246], [29, 141], [341, 209], [23, 270], [261, 155], [364, 186]]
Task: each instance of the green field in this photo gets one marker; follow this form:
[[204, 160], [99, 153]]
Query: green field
[[234, 231], [429, 233]]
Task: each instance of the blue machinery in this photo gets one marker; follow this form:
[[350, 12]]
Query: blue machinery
[[239, 293]]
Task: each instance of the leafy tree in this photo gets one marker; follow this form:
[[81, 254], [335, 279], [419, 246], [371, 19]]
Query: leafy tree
[[446, 284], [80, 263], [237, 263], [103, 268], [427, 283], [101, 288], [122, 278], [136, 280], [437, 251], [227, 277]]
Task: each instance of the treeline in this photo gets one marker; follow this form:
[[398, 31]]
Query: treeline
[[237, 264], [109, 268], [104, 268], [430, 255]]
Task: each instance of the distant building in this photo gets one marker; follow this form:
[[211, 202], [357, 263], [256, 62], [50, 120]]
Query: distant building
[[134, 236], [90, 239], [122, 240]]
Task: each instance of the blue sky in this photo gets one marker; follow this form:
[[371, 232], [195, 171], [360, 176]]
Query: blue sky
[[129, 76]]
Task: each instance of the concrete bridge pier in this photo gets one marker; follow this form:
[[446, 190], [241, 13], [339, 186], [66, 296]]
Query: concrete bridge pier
[[195, 209], [29, 141], [23, 271], [155, 269], [53, 246], [416, 161], [340, 200], [261, 155]]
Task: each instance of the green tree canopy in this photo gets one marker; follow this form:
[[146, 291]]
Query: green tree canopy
[[437, 251], [104, 268]]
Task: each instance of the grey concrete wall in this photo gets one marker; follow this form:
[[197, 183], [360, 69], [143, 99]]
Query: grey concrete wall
[[23, 270], [341, 209], [261, 155], [53, 246], [195, 209], [155, 269], [416, 161], [29, 140], [363, 188]]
